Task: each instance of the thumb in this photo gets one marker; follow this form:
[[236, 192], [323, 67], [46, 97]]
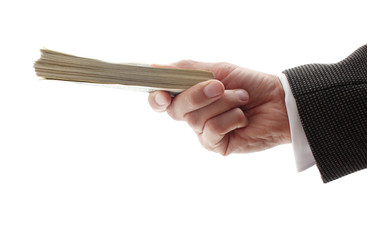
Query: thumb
[[189, 64], [162, 65], [220, 69]]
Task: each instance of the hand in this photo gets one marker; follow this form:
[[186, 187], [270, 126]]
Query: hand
[[242, 111]]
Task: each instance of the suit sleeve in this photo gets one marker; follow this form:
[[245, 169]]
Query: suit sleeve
[[332, 104]]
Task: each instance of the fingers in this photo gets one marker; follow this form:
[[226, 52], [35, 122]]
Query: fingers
[[215, 135], [230, 99], [159, 100], [194, 98]]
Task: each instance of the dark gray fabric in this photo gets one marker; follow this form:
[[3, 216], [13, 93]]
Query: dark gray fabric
[[332, 104]]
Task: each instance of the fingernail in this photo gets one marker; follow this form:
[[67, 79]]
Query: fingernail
[[214, 89], [242, 94], [160, 100]]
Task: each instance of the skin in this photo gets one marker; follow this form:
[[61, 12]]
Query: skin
[[240, 111]]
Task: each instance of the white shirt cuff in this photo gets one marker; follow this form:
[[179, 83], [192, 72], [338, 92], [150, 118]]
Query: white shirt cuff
[[301, 148]]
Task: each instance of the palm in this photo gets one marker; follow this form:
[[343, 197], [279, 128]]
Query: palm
[[267, 118]]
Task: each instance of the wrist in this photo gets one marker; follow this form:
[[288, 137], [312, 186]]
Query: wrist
[[283, 114]]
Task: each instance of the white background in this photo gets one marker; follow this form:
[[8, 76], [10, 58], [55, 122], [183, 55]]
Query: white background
[[87, 162]]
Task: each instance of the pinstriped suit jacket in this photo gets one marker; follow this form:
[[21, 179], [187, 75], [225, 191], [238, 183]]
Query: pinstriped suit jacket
[[332, 103]]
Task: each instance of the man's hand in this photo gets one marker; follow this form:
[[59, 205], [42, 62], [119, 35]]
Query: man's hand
[[242, 111]]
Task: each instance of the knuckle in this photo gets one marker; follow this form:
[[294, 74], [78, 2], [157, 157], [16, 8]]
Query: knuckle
[[192, 119], [205, 144], [194, 122], [212, 126], [240, 117], [213, 147], [192, 100], [238, 113]]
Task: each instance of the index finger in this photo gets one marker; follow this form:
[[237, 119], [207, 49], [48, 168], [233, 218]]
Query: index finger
[[159, 100], [196, 97]]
